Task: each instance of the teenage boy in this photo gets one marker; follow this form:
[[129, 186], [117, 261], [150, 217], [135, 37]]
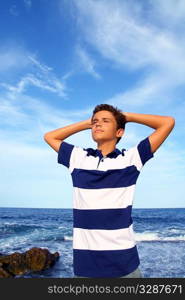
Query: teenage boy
[[104, 181]]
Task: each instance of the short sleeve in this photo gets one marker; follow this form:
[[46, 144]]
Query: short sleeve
[[139, 155], [144, 149], [71, 156], [64, 154]]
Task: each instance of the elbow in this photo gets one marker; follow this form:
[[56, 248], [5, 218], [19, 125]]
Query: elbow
[[171, 121], [45, 136]]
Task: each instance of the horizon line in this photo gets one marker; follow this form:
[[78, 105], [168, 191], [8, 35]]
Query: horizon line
[[72, 207]]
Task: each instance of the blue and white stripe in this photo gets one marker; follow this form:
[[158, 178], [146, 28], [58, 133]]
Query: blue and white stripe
[[103, 236]]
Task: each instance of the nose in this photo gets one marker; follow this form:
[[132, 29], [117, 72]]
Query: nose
[[98, 123], [98, 126]]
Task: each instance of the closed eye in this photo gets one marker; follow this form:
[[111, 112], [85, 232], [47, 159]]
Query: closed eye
[[103, 120]]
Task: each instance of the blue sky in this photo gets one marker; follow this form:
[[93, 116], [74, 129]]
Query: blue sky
[[58, 60]]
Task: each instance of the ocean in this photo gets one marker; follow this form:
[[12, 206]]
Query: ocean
[[159, 233]]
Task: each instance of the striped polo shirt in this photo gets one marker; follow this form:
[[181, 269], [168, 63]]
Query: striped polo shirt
[[103, 191]]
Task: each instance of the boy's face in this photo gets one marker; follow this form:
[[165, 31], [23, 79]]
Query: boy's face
[[104, 127]]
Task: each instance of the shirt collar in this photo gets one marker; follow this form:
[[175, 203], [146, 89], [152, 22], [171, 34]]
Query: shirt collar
[[97, 152]]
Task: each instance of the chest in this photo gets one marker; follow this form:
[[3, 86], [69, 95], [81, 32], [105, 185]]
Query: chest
[[102, 163], [100, 179]]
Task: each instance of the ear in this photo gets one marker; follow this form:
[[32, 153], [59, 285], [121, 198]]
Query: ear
[[120, 132]]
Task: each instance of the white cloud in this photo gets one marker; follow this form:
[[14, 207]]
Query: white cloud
[[42, 67], [145, 92], [50, 84], [86, 62], [13, 57], [67, 75], [117, 35], [121, 35], [11, 114], [129, 40], [34, 72], [26, 119], [169, 14]]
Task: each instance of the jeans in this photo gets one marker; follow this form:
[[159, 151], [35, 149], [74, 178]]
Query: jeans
[[135, 274]]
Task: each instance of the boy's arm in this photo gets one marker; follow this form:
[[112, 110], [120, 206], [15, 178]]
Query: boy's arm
[[55, 137], [163, 125]]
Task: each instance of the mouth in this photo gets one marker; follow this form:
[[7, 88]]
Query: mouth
[[98, 131]]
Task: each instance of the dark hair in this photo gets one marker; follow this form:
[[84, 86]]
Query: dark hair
[[119, 117]]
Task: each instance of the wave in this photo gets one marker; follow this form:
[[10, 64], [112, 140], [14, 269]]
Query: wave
[[37, 233], [152, 236], [142, 237], [14, 228], [68, 238], [148, 237]]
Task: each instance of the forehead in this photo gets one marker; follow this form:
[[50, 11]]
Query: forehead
[[103, 114]]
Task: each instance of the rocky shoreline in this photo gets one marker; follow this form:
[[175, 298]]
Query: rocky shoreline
[[33, 260]]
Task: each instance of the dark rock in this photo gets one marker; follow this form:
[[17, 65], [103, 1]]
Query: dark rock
[[35, 259], [4, 274]]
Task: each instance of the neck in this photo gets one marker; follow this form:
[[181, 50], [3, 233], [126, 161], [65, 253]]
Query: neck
[[106, 147]]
